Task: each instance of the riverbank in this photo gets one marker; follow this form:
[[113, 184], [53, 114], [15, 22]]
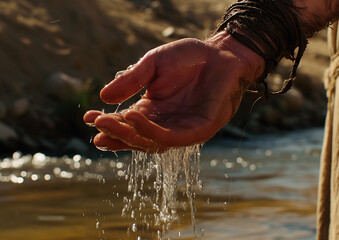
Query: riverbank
[[57, 55]]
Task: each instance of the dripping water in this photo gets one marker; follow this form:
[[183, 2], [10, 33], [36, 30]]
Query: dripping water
[[164, 170]]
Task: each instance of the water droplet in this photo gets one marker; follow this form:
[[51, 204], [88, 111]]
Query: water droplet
[[200, 185], [214, 162], [240, 160], [104, 149], [88, 161], [47, 177], [90, 124], [134, 227], [229, 165], [202, 233], [121, 173], [34, 177], [97, 225], [77, 158], [16, 155], [244, 164], [120, 165], [268, 153], [116, 110], [119, 73]]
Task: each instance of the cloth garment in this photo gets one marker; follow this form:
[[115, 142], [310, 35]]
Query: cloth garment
[[328, 193]]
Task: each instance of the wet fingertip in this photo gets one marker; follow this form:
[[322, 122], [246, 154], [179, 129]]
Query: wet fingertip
[[90, 116], [132, 115], [129, 116], [106, 95], [101, 140], [98, 122], [97, 140]]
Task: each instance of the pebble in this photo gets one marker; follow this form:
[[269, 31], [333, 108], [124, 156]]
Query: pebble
[[293, 100], [7, 133], [20, 107], [168, 32], [62, 86]]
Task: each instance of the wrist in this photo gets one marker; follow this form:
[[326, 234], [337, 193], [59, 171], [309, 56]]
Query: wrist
[[271, 29], [252, 65]]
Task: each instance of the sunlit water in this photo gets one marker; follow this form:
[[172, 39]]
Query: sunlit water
[[263, 189]]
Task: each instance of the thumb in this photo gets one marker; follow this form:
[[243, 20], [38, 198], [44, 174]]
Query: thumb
[[130, 82]]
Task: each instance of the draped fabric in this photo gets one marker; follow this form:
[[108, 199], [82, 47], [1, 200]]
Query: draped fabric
[[328, 193]]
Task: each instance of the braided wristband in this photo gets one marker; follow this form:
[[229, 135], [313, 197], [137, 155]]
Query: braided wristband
[[271, 29]]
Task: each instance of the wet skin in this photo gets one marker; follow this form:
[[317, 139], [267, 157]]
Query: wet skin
[[193, 89]]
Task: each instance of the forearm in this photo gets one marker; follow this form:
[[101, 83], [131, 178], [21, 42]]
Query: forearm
[[274, 29], [314, 15]]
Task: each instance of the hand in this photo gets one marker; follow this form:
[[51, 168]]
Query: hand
[[193, 89]]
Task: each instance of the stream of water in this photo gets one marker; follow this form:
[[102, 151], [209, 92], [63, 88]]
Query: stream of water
[[264, 188]]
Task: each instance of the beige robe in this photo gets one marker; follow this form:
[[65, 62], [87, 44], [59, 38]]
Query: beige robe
[[328, 194]]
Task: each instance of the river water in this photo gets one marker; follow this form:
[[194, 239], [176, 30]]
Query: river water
[[261, 188]]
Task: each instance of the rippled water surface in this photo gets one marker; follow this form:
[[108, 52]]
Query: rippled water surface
[[263, 188]]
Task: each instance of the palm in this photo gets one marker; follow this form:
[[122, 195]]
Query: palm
[[192, 91]]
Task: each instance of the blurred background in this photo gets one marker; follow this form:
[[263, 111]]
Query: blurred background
[[55, 57]]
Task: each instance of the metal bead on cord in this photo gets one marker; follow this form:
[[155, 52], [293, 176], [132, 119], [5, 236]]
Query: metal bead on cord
[[271, 29]]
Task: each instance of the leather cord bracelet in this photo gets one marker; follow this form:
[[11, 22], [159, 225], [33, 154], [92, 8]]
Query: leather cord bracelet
[[271, 29]]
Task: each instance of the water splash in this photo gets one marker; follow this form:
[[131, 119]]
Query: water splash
[[164, 170], [117, 109]]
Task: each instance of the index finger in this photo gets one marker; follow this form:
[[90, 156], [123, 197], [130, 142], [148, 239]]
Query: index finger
[[130, 82]]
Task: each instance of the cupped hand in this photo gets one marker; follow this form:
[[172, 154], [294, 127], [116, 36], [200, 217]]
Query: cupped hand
[[193, 88]]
